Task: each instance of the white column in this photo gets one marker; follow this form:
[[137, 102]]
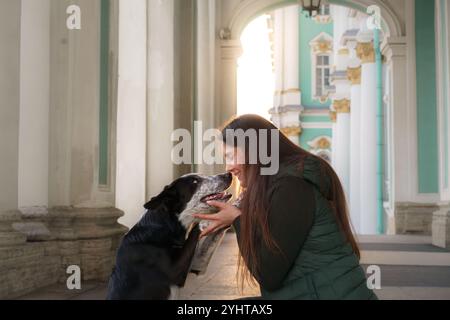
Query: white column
[[278, 30], [287, 97], [441, 218], [34, 103], [354, 74], [291, 91], [334, 139], [131, 110], [368, 175], [206, 50], [230, 51], [342, 108], [341, 104], [401, 113], [10, 14], [74, 113], [160, 95]]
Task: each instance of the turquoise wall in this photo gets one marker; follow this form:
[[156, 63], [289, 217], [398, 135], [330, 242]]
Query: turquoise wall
[[315, 118], [426, 97], [309, 29], [104, 92]]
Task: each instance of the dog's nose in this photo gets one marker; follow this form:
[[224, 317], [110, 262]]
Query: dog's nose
[[228, 176]]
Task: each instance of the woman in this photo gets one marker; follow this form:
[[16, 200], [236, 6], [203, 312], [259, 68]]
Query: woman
[[293, 231]]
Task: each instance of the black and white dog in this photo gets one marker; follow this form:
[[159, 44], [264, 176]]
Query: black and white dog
[[154, 257]]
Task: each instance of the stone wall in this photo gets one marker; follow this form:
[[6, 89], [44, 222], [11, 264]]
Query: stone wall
[[62, 237], [414, 218]]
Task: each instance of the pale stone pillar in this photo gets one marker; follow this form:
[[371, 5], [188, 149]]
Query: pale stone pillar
[[354, 75], [160, 95], [342, 108], [291, 89], [34, 104], [82, 213], [287, 97], [341, 104], [74, 113], [131, 110], [230, 51], [333, 117], [205, 63], [441, 218], [368, 174], [402, 139], [10, 15], [441, 227]]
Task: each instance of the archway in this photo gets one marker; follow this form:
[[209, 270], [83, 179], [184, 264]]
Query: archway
[[393, 48]]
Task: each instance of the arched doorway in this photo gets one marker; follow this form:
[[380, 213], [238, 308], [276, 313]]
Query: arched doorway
[[393, 44]]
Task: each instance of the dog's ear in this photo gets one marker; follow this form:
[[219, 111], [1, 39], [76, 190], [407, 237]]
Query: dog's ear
[[166, 197]]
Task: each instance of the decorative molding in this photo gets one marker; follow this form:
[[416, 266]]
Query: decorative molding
[[322, 43], [342, 106], [231, 49], [354, 75], [291, 131], [225, 34], [333, 116], [343, 52], [323, 19], [281, 92], [317, 125], [320, 143], [366, 52]]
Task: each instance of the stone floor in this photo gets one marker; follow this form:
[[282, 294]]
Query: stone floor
[[411, 268]]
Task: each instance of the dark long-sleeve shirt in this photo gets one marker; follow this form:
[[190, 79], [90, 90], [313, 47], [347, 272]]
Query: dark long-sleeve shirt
[[291, 216]]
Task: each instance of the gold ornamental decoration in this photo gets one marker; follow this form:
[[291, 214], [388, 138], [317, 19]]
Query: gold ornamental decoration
[[323, 144], [333, 116], [322, 47], [354, 75], [291, 131], [365, 52], [342, 106]]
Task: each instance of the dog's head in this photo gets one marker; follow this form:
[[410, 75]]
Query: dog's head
[[188, 195]]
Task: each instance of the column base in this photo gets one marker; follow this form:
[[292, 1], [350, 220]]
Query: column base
[[414, 218], [10, 237], [58, 238], [441, 227]]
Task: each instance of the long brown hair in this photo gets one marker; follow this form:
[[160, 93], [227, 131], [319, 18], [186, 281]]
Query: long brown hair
[[254, 224]]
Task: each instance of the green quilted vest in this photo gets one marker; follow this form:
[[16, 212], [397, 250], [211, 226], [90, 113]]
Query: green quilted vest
[[326, 267]]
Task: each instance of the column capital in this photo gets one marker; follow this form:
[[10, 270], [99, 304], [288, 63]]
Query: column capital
[[342, 105], [394, 47], [344, 52], [354, 75], [231, 49], [366, 52]]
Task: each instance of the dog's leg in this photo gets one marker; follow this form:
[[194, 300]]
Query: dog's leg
[[174, 293], [182, 264]]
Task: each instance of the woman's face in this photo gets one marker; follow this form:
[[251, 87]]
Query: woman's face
[[234, 160]]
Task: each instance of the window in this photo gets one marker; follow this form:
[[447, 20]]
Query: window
[[325, 10], [322, 74], [322, 60]]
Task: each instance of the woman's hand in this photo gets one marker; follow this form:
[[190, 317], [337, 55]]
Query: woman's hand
[[224, 218]]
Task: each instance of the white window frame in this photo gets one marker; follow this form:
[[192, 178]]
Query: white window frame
[[321, 45], [323, 67]]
